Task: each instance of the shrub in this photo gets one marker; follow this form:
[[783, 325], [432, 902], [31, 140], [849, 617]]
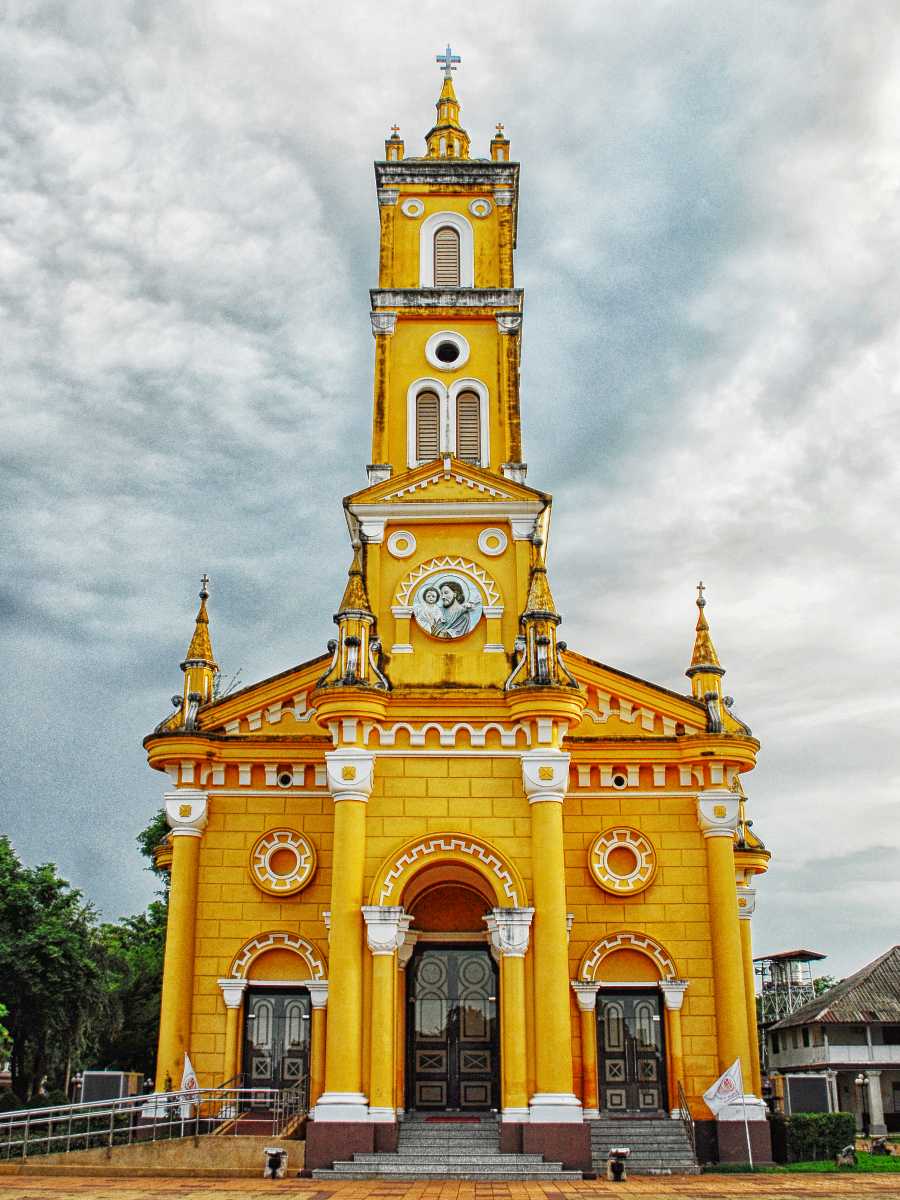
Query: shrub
[[9, 1102], [813, 1136]]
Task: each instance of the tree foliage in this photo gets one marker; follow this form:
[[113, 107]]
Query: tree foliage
[[52, 971]]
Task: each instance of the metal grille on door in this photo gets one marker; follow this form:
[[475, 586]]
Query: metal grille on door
[[632, 1065], [276, 1049]]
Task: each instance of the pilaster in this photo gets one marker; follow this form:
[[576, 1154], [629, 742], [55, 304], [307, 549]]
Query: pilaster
[[673, 998], [586, 996], [510, 932], [385, 933]]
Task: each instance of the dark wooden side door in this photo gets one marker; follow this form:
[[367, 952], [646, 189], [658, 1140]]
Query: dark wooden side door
[[276, 1041], [631, 1052], [453, 1040]]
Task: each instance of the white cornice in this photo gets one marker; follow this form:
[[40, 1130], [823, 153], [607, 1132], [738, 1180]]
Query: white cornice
[[447, 510]]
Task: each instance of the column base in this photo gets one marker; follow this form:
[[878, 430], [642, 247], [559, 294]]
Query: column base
[[591, 1114], [749, 1108], [382, 1116], [555, 1108], [328, 1141], [732, 1138], [515, 1116], [341, 1106]]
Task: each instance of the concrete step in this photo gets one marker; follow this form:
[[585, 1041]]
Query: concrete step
[[549, 1171], [449, 1159]]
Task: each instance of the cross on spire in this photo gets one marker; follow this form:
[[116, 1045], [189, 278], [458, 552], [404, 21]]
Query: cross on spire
[[204, 585], [448, 61], [500, 128], [701, 588], [395, 130]]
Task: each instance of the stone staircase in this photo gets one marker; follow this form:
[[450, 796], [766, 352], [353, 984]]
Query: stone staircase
[[659, 1145], [447, 1150]]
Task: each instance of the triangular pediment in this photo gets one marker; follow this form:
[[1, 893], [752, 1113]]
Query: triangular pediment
[[445, 480]]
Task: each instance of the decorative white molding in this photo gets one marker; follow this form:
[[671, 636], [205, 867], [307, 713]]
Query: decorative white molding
[[627, 941], [449, 735], [718, 811], [746, 901], [558, 1108], [245, 774], [508, 322], [277, 940], [372, 529], [318, 992], [510, 930], [644, 859], [187, 812], [522, 528], [383, 323], [439, 845], [449, 508], [350, 773], [492, 542], [412, 208], [404, 952], [545, 775], [428, 229], [401, 544], [388, 196], [586, 995], [448, 562], [378, 473], [386, 927], [233, 991], [351, 1107], [673, 993], [504, 197]]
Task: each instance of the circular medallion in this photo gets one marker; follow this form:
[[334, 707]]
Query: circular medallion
[[401, 543], [492, 542], [282, 862], [447, 605], [622, 861], [480, 207], [412, 208]]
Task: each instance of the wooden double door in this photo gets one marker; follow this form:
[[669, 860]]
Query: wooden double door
[[631, 1052], [453, 1060], [276, 1039]]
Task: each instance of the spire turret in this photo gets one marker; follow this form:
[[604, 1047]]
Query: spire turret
[[199, 665], [705, 671], [447, 138], [539, 653], [355, 653]]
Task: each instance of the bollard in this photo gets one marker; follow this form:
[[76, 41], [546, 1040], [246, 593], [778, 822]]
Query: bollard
[[276, 1162], [615, 1164]]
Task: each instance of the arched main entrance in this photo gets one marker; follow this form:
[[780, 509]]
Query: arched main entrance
[[449, 1002]]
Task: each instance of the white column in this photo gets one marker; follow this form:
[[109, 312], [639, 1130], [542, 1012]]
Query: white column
[[876, 1106]]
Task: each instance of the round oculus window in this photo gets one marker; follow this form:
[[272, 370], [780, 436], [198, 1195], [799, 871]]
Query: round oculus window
[[447, 350], [622, 861], [282, 862]]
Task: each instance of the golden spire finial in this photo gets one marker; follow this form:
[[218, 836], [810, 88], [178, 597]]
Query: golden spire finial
[[704, 651], [447, 138], [355, 598], [200, 650]]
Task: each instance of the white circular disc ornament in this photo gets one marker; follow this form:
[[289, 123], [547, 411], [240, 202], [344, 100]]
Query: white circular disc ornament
[[401, 543], [412, 208], [492, 542]]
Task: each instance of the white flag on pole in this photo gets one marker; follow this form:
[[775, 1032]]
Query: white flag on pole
[[728, 1088], [189, 1085]]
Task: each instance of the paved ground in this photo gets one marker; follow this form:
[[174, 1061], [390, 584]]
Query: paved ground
[[712, 1187]]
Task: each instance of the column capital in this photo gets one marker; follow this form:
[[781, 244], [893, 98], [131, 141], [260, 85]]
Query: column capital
[[508, 322], [383, 323], [718, 811], [746, 899], [871, 1074], [545, 775], [510, 930], [186, 812], [586, 995], [404, 952], [350, 773], [387, 197], [673, 993], [386, 927], [318, 992], [233, 991]]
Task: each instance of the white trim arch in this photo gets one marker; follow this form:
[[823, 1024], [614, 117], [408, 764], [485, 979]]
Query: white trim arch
[[476, 386], [428, 229]]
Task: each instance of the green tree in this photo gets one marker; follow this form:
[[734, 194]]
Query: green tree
[[52, 972], [823, 982]]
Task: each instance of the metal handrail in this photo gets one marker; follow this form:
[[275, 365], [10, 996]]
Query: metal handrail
[[63, 1128], [686, 1119]]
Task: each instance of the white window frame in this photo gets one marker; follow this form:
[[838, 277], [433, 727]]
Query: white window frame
[[447, 402], [428, 229]]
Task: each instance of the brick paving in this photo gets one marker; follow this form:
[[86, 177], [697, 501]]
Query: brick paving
[[712, 1187]]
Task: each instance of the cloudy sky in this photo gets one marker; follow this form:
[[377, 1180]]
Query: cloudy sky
[[708, 240]]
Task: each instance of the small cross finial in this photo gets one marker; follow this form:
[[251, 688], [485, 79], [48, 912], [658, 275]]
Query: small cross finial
[[204, 587], [448, 60], [701, 588], [500, 128], [395, 131]]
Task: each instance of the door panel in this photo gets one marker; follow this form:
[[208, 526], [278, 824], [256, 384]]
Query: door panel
[[453, 1040], [631, 1053], [276, 1042]]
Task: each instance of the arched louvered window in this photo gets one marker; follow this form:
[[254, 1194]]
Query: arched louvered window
[[468, 427], [446, 257], [428, 426]]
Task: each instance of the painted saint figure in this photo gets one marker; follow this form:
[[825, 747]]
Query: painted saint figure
[[446, 607], [428, 613], [454, 620]]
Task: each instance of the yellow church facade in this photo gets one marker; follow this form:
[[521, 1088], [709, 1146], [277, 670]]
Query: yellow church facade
[[452, 865]]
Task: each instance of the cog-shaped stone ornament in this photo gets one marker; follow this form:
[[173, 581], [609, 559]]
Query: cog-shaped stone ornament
[[622, 861], [282, 862]]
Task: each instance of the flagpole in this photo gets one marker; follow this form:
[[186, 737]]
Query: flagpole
[[747, 1129]]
